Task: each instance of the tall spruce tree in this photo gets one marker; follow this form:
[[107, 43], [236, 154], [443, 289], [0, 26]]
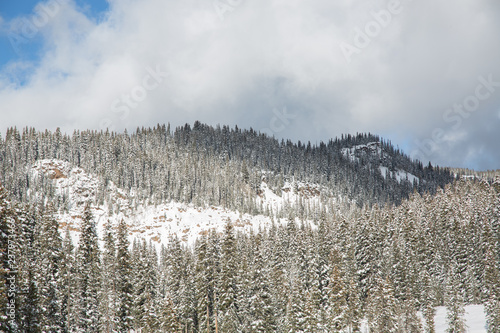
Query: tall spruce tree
[[123, 278], [229, 311], [88, 274], [69, 287], [7, 301], [49, 272], [107, 304]]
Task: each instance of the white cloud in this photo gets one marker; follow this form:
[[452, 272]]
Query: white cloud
[[263, 55]]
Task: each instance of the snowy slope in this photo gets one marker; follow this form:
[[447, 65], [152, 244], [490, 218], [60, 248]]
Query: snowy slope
[[157, 222], [398, 174]]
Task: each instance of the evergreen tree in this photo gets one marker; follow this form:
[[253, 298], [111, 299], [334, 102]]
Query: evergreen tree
[[204, 286], [68, 286], [88, 274], [338, 301], [492, 291], [48, 271], [108, 301], [27, 277], [383, 312], [428, 303], [229, 311], [455, 305], [124, 290], [261, 306], [7, 237], [168, 322]]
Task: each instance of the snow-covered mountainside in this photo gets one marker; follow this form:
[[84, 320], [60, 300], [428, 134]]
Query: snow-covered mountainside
[[375, 149], [157, 222]]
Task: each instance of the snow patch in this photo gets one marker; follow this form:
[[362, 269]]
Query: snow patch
[[400, 175]]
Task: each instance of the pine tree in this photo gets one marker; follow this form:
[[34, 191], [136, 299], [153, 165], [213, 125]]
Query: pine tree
[[492, 291], [123, 278], [383, 313], [338, 301], [168, 322], [204, 284], [107, 304], [150, 291], [428, 303], [411, 323], [455, 305], [353, 310], [7, 237], [261, 307], [229, 313], [68, 286], [27, 309], [88, 274], [48, 271], [297, 312]]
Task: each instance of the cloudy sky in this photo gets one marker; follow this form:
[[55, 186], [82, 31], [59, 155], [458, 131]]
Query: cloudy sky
[[424, 74]]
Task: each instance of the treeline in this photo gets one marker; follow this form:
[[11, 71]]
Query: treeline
[[213, 166], [378, 264]]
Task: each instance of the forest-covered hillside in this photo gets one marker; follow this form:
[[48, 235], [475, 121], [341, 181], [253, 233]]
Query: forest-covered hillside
[[219, 166], [369, 239]]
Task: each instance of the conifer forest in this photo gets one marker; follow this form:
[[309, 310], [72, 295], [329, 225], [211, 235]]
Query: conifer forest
[[364, 239]]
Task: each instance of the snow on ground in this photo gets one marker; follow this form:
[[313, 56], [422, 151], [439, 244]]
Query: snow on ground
[[291, 193], [189, 222], [156, 222], [475, 320], [398, 174]]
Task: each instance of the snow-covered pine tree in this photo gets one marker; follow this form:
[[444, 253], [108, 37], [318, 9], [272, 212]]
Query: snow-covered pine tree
[[428, 302], [337, 300], [382, 308], [454, 304], [204, 287], [229, 311], [261, 306], [68, 286], [27, 310], [88, 274], [167, 318], [123, 278], [48, 240], [151, 305], [107, 304], [6, 223], [492, 291]]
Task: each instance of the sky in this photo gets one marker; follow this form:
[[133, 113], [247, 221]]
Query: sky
[[423, 74]]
